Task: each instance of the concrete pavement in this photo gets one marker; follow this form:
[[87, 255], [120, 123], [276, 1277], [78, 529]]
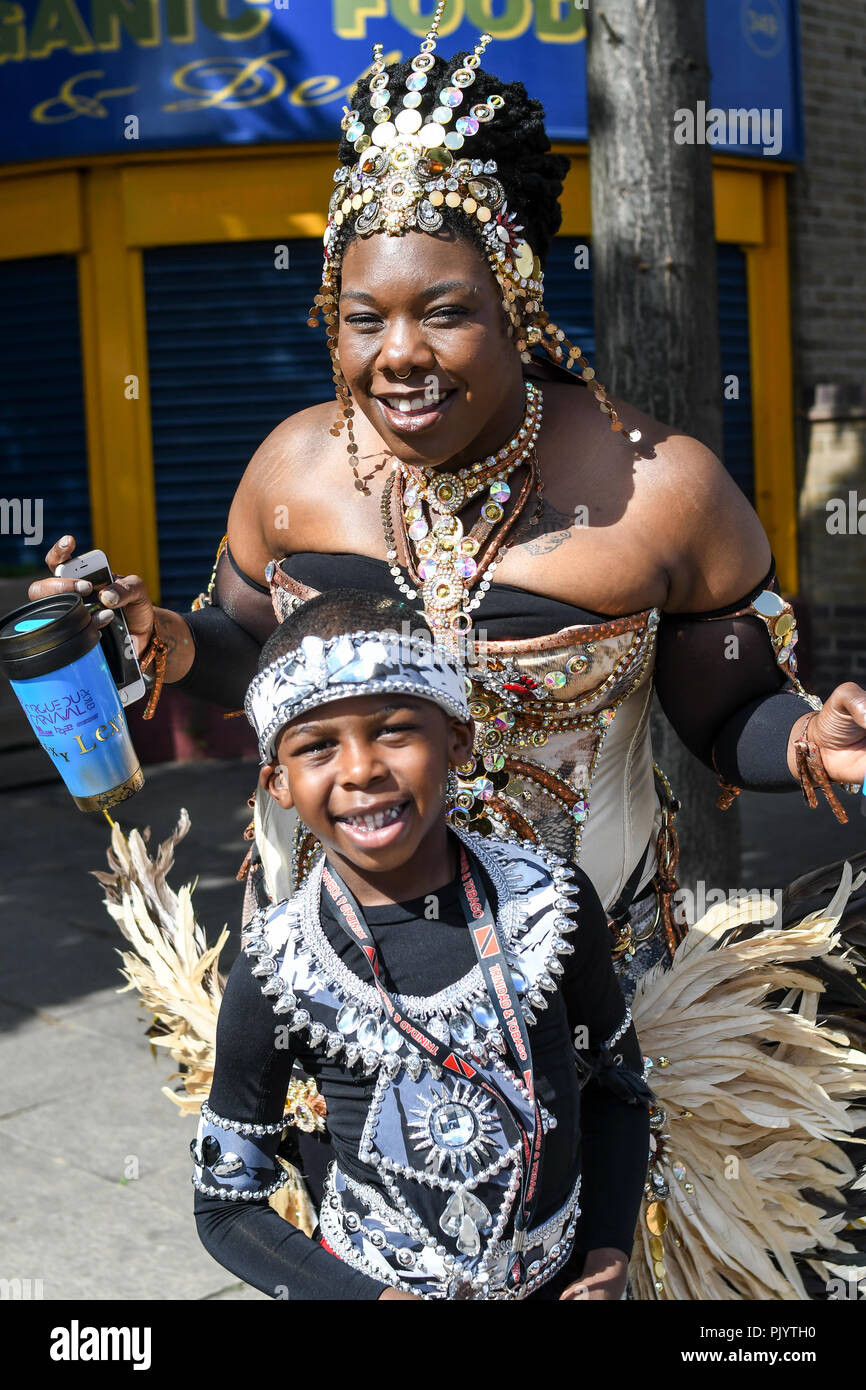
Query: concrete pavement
[[96, 1199]]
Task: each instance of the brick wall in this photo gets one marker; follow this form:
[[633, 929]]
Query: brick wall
[[827, 207]]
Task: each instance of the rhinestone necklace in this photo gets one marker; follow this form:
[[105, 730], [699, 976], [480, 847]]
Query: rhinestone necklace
[[443, 562], [448, 492]]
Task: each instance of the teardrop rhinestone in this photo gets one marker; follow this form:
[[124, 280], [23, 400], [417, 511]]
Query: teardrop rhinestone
[[462, 1029], [370, 1034], [418, 530], [519, 981], [391, 1038], [484, 1015], [348, 1018]]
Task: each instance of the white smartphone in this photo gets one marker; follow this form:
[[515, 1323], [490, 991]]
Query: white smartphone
[[116, 642]]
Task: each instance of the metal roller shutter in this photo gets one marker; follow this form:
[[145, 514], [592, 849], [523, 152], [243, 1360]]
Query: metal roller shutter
[[43, 446], [231, 355]]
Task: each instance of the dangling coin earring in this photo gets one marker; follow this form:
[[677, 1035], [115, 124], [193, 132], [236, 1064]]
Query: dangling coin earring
[[348, 413]]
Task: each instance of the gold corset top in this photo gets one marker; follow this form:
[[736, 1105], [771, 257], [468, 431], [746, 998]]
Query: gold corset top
[[562, 751]]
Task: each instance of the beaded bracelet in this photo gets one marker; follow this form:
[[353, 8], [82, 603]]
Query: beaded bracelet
[[155, 652], [812, 773]]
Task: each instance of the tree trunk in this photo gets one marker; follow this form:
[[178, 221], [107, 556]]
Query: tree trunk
[[656, 305]]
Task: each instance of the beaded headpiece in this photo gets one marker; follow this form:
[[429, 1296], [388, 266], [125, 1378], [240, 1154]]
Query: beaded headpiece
[[359, 663], [409, 175]]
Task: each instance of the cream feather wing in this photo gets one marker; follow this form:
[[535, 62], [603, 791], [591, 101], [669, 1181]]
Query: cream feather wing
[[177, 976], [753, 1100]]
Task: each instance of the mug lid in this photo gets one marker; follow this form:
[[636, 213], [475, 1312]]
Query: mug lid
[[36, 629]]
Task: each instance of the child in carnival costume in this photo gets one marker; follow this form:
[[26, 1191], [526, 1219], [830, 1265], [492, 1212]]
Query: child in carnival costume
[[452, 995]]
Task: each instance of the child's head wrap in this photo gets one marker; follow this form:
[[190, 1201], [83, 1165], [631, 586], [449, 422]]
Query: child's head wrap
[[358, 663]]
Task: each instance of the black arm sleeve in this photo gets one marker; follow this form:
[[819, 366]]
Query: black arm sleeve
[[720, 686], [613, 1112], [251, 1077], [228, 635]]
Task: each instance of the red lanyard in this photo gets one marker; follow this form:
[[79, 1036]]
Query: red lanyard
[[503, 996]]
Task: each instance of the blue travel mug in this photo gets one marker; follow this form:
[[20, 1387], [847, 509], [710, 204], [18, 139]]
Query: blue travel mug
[[50, 652]]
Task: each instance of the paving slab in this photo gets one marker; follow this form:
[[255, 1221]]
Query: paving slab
[[88, 1239]]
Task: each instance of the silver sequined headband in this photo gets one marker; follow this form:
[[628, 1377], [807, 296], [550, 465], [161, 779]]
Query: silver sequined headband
[[357, 663]]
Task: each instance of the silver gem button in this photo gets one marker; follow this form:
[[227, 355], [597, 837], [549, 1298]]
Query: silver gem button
[[453, 1125]]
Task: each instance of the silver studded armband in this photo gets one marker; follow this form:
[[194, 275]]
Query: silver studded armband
[[236, 1161]]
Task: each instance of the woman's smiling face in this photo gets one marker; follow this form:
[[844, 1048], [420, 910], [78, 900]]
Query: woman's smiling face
[[422, 325]]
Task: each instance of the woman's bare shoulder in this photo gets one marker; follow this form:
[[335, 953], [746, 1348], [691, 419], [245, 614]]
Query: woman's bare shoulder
[[714, 544], [275, 480]]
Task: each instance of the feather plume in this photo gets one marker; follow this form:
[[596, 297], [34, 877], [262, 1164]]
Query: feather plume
[[177, 976], [754, 1094]]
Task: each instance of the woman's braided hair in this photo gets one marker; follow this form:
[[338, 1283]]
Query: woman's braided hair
[[531, 174]]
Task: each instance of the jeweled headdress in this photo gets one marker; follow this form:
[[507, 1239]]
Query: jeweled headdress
[[359, 663], [413, 169]]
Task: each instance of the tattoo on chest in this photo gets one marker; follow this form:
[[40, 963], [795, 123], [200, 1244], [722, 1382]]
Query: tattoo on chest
[[540, 535]]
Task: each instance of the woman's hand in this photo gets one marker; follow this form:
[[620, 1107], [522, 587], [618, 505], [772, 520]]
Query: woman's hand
[[839, 732], [604, 1277], [128, 592]]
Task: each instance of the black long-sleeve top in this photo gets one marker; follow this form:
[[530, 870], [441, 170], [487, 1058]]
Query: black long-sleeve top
[[599, 1131]]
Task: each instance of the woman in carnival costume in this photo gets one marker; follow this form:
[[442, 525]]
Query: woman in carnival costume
[[469, 1162], [626, 560]]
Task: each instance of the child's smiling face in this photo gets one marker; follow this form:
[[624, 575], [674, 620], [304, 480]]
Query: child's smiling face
[[367, 776]]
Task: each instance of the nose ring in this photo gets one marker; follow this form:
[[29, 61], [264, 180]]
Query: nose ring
[[403, 375]]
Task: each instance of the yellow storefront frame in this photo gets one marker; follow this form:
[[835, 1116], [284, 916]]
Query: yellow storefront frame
[[109, 211]]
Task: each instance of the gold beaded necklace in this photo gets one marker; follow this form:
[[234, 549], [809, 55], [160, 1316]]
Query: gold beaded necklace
[[443, 561]]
